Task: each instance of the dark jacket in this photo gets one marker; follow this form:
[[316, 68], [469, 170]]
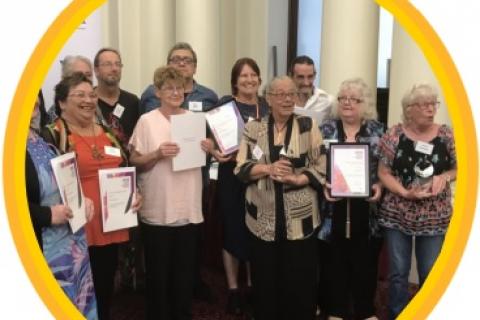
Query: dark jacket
[[41, 216]]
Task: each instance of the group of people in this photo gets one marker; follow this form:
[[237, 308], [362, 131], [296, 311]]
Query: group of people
[[304, 250]]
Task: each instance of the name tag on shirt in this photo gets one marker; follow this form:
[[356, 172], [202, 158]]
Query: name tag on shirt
[[118, 111], [326, 142], [112, 151], [196, 106], [424, 147], [257, 152]]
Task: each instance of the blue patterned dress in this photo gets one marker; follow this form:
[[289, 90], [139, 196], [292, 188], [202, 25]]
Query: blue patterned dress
[[66, 253]]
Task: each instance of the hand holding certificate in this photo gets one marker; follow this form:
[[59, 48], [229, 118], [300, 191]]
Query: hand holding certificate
[[227, 126], [66, 174], [117, 191], [188, 131], [349, 170]]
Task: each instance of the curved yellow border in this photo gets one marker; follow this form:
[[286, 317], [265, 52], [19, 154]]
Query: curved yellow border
[[464, 130], [14, 156], [61, 29]]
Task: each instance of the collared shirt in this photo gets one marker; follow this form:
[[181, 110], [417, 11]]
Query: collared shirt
[[207, 97], [318, 106]]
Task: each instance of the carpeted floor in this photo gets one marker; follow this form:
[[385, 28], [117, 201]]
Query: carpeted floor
[[129, 305]]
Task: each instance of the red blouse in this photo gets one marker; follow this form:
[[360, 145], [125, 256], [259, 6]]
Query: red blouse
[[88, 168]]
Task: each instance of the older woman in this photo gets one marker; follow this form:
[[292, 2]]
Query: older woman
[[418, 146], [66, 252], [245, 82], [279, 159], [172, 209], [96, 148], [352, 265]]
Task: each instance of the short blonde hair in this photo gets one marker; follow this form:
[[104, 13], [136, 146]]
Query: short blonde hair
[[167, 73], [369, 110], [417, 91]]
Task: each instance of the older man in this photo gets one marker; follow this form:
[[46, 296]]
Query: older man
[[70, 65], [312, 101], [197, 97]]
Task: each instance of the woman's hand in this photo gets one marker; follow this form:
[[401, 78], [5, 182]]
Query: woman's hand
[[207, 145], [60, 214], [167, 150], [89, 209], [326, 193], [137, 204], [438, 184], [377, 192], [416, 193], [221, 157], [280, 169]]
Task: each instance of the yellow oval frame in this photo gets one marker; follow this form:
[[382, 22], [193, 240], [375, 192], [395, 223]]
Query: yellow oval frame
[[63, 27]]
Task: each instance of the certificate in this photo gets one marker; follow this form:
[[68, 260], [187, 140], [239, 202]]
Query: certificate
[[188, 131], [117, 193], [65, 170], [227, 126], [349, 170]]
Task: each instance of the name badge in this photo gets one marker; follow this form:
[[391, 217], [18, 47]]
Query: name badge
[[424, 147], [326, 142], [257, 152], [112, 151], [118, 111], [195, 106]]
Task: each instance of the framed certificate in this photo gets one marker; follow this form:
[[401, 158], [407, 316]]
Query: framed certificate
[[66, 174], [117, 191], [349, 166], [227, 126]]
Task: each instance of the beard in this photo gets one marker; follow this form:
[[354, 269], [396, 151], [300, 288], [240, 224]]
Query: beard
[[112, 80]]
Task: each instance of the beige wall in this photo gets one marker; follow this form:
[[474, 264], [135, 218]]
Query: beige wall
[[220, 31], [409, 67]]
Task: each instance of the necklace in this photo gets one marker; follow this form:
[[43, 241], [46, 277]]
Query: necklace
[[96, 154], [279, 133]]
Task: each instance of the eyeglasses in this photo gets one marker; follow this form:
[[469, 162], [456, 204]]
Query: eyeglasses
[[177, 60], [349, 100], [83, 95], [171, 90], [426, 105], [284, 95], [111, 64]]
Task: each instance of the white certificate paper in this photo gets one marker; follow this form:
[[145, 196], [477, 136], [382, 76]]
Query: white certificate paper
[[188, 130], [117, 193], [65, 170], [349, 170], [227, 126]]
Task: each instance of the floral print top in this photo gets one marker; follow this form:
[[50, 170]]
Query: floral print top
[[429, 216]]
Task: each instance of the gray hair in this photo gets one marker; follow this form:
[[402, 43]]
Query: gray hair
[[182, 46], [68, 61], [420, 90], [369, 110], [271, 85]]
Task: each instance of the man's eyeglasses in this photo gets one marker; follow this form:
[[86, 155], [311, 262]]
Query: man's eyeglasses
[[426, 105], [83, 95], [349, 100], [178, 60], [111, 64], [284, 95]]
